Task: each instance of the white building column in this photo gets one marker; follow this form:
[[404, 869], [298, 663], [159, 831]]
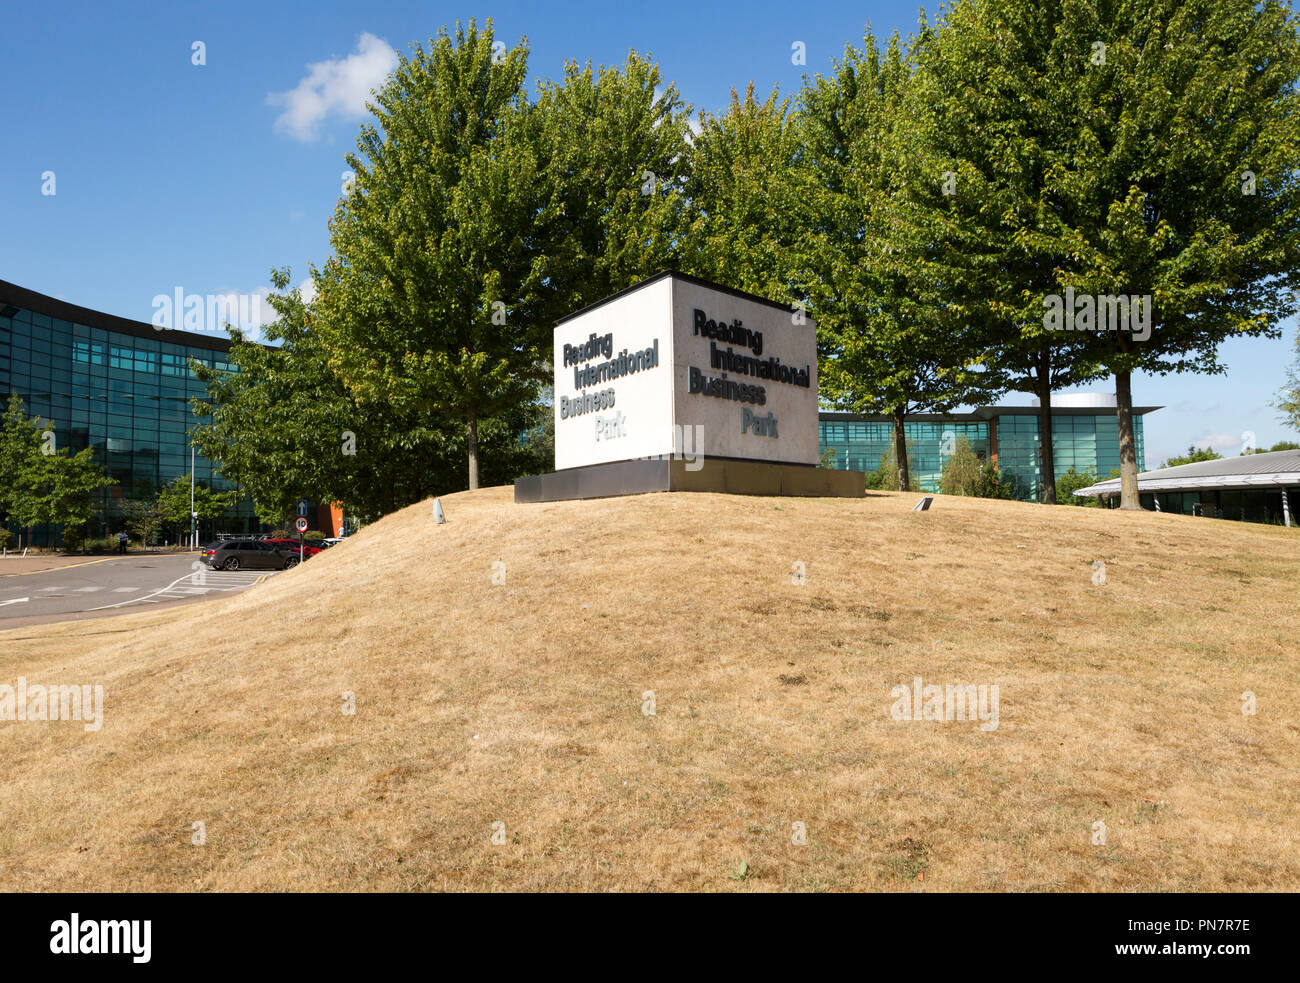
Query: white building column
[[1286, 510]]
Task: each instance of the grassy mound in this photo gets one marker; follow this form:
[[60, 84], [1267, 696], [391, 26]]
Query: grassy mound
[[502, 665]]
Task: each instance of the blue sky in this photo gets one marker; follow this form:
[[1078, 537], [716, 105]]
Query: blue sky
[[173, 175]]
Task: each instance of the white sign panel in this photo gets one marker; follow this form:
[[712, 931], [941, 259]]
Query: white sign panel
[[679, 367]]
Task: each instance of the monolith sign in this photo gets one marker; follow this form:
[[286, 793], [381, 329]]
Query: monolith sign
[[681, 383]]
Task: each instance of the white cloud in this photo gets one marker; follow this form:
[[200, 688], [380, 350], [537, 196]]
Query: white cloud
[[338, 87], [308, 289], [246, 310], [1220, 442]]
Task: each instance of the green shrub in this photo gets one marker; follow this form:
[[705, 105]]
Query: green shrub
[[995, 484], [964, 473], [1067, 483], [885, 477], [313, 536]]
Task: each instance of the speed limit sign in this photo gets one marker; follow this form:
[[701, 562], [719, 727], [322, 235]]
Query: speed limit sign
[[301, 524]]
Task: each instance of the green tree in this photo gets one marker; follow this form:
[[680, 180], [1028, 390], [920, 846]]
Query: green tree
[[477, 219], [1288, 400], [748, 210], [613, 148], [144, 519], [894, 336], [981, 147], [41, 483], [429, 303], [173, 503], [284, 426], [20, 442], [1193, 455], [1129, 149], [1072, 481], [885, 476], [59, 490], [961, 471], [965, 473], [994, 484]]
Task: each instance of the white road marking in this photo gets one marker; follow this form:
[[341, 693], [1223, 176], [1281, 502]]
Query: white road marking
[[210, 580], [16, 600]]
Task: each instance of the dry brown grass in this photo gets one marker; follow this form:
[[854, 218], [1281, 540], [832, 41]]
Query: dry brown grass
[[522, 704]]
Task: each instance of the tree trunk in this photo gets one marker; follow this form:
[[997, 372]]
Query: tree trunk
[[471, 443], [1045, 444], [900, 449], [1128, 472]]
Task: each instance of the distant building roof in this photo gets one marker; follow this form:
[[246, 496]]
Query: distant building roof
[[1101, 401], [1277, 469]]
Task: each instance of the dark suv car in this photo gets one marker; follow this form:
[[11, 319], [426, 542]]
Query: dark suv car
[[249, 554]]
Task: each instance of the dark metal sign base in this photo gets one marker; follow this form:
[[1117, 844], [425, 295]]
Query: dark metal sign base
[[725, 475]]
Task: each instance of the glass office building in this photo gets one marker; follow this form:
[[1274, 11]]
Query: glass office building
[[122, 387], [1085, 435]]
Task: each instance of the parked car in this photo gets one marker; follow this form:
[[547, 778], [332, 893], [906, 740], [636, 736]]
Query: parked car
[[309, 548], [249, 554]]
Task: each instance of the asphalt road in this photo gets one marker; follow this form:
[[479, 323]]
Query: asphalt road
[[111, 585]]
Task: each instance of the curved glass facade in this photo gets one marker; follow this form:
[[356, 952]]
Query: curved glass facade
[[117, 386]]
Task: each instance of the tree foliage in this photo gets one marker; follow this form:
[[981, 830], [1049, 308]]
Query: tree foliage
[[427, 304], [173, 502], [966, 473], [1134, 148], [894, 336], [1070, 482], [1288, 400], [41, 483], [285, 426], [1193, 455], [748, 195]]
